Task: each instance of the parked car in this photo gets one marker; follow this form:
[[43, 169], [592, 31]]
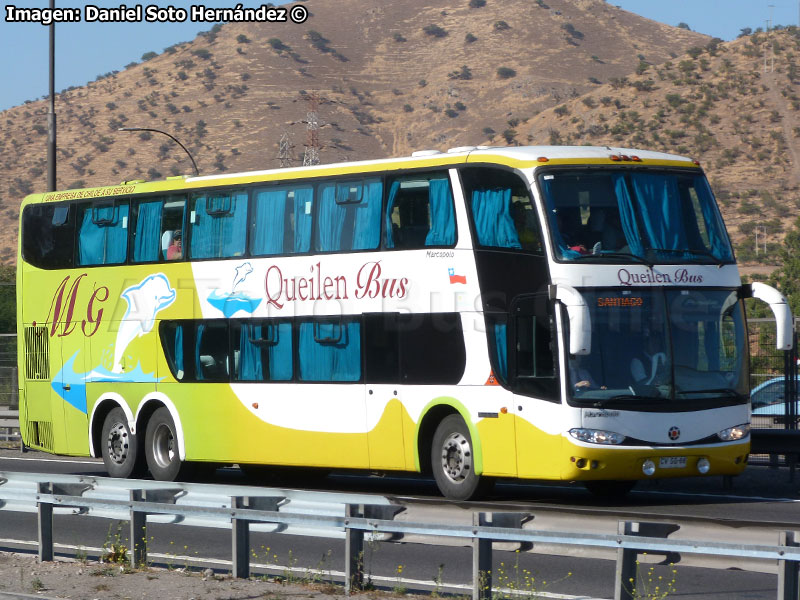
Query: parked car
[[767, 400]]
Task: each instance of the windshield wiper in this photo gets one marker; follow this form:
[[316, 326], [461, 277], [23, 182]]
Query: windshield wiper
[[631, 257], [687, 251], [603, 401], [722, 391]]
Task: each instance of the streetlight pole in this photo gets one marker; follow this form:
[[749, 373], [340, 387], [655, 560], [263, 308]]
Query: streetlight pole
[[51, 111], [173, 138]]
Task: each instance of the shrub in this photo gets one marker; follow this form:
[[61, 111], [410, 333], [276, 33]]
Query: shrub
[[408, 108], [571, 31], [506, 72], [469, 38], [149, 55], [501, 26], [242, 39], [398, 37], [434, 30], [477, 3], [451, 113], [463, 73], [202, 53]]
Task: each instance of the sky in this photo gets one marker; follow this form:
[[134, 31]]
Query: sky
[[85, 50]]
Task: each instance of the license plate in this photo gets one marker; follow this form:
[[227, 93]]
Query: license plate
[[672, 462]]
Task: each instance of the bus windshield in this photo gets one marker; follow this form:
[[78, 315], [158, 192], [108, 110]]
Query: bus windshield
[[661, 346], [666, 216]]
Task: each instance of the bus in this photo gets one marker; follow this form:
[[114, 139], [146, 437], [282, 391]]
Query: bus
[[545, 313]]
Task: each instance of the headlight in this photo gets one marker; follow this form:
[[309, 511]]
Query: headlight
[[734, 433], [596, 436]]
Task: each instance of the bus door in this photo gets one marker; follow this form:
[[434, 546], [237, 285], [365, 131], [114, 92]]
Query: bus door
[[383, 393], [53, 389], [533, 376]]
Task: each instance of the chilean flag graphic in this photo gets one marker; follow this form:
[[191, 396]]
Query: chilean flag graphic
[[456, 278]]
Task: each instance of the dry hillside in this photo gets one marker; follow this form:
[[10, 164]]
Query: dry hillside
[[391, 78]]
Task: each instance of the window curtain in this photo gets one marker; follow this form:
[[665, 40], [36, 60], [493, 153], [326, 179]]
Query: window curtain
[[443, 225], [179, 364], [104, 235], [268, 222], [148, 232], [491, 210], [219, 235], [501, 348], [198, 365], [367, 229], [280, 353], [331, 220], [717, 237], [559, 243], [627, 216], [250, 367], [338, 360], [658, 200], [303, 200], [389, 206]]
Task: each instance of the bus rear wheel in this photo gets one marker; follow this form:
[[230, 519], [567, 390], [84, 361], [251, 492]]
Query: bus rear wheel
[[452, 459], [119, 446], [161, 446]]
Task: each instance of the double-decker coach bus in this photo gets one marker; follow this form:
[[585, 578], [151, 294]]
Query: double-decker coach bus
[[560, 313]]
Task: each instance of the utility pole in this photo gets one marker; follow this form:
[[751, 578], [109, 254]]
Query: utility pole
[[51, 110]]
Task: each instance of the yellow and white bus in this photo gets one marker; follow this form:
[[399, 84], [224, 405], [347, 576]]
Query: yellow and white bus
[[561, 313]]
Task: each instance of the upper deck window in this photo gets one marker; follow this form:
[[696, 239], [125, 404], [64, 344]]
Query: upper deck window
[[502, 213], [219, 225], [652, 216], [349, 215], [420, 213], [103, 235], [281, 220], [46, 230]]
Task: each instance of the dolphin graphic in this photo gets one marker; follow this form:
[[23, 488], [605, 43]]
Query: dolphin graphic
[[242, 271], [144, 300]]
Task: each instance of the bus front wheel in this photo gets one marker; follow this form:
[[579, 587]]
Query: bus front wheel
[[161, 446], [119, 447], [452, 459]]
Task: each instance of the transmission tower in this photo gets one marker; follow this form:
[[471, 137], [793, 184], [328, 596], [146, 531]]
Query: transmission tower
[[311, 154], [284, 149]]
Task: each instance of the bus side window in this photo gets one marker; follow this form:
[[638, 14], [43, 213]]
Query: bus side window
[[419, 213], [381, 348], [262, 350], [281, 220], [211, 351], [432, 348], [349, 215], [47, 229], [103, 234], [218, 225], [329, 350]]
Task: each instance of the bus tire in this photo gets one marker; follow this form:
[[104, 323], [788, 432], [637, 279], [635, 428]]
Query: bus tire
[[452, 460], [119, 447], [161, 446]]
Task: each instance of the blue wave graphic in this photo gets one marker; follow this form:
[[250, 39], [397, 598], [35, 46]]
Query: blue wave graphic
[[230, 304], [76, 394]]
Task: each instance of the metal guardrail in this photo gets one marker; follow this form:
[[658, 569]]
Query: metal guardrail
[[350, 515]]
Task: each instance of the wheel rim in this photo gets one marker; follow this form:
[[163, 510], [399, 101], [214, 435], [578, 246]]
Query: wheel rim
[[163, 446], [118, 443], [456, 457]]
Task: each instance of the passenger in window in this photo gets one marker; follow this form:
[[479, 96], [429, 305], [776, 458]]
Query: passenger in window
[[175, 250], [570, 229]]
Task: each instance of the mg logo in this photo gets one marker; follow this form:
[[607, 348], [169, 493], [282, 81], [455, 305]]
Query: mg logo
[[674, 433]]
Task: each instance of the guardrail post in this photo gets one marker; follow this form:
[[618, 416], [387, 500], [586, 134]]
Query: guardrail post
[[240, 540], [481, 561], [626, 573], [482, 549], [138, 535], [354, 550], [45, 523], [788, 580]]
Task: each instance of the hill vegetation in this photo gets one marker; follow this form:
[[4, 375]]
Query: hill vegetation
[[399, 77]]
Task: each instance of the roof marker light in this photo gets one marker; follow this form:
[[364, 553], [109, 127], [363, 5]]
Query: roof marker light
[[636, 159], [543, 159], [615, 158], [697, 162]]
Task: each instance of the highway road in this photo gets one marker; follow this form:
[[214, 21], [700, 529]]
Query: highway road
[[760, 495]]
